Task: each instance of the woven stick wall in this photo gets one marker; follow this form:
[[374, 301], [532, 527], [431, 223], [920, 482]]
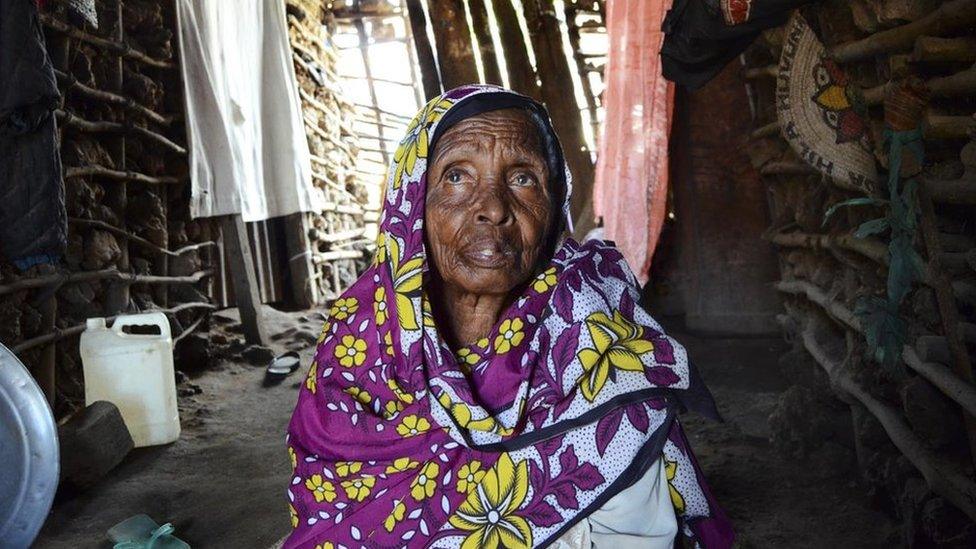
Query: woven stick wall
[[131, 244], [880, 295], [338, 236]]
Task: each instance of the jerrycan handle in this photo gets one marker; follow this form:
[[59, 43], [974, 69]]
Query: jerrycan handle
[[145, 319]]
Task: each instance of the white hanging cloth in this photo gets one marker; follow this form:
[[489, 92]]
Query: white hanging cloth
[[248, 148]]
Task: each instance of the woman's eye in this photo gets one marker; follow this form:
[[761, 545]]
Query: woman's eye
[[523, 180], [454, 177]]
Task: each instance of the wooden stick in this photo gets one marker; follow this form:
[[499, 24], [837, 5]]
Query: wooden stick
[[960, 84], [757, 73], [416, 74], [486, 46], [332, 255], [312, 125], [311, 37], [958, 191], [102, 171], [767, 130], [516, 46], [374, 109], [74, 121], [332, 185], [455, 50], [573, 32], [954, 387], [301, 270], [138, 239], [949, 127], [117, 296], [932, 49], [834, 309], [787, 168], [958, 389], [324, 109], [105, 274], [240, 261], [46, 371], [942, 476], [425, 52], [364, 51], [329, 84], [331, 238], [299, 47], [870, 248], [189, 329], [956, 15], [383, 80], [62, 333], [119, 48], [946, 299], [72, 83], [556, 76]]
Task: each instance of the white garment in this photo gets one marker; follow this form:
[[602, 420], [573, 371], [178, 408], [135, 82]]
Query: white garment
[[639, 517], [248, 148]]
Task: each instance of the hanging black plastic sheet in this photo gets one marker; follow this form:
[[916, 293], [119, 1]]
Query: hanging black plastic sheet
[[33, 223], [702, 36]]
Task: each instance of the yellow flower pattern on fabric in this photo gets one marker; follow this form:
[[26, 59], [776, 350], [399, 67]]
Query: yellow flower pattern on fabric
[[310, 380], [400, 465], [469, 475], [388, 341], [294, 515], [346, 468], [467, 358], [510, 334], [425, 483], [618, 344], [357, 489], [380, 249], [489, 511], [399, 511], [670, 469], [379, 305], [399, 392], [545, 280], [392, 408], [326, 545], [324, 332], [462, 415], [293, 457], [414, 145], [407, 278], [321, 489], [361, 395], [342, 308], [427, 312], [413, 426], [351, 351]]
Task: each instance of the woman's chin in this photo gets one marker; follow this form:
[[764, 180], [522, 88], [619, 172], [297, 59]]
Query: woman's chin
[[493, 279]]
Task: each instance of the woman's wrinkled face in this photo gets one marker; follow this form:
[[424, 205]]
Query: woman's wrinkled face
[[488, 207]]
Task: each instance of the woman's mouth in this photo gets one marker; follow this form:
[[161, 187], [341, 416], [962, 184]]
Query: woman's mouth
[[489, 255]]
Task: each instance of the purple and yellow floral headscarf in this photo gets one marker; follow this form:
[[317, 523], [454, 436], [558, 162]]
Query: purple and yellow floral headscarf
[[397, 441]]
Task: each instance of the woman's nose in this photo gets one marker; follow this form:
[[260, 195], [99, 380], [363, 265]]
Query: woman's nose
[[492, 207]]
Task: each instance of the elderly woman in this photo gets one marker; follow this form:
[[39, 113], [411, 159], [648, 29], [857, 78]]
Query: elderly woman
[[489, 382]]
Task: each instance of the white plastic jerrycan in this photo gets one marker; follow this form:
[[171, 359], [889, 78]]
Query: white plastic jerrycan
[[134, 371]]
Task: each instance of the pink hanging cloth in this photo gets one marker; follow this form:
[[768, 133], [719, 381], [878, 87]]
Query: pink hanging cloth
[[630, 189]]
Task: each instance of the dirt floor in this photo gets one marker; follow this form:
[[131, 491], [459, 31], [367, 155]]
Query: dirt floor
[[222, 483]]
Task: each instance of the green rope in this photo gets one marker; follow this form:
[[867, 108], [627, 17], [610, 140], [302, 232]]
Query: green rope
[[884, 329]]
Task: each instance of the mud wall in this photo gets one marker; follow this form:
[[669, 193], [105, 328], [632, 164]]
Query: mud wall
[[131, 244]]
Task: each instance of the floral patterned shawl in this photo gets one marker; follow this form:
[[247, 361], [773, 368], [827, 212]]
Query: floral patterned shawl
[[397, 441]]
